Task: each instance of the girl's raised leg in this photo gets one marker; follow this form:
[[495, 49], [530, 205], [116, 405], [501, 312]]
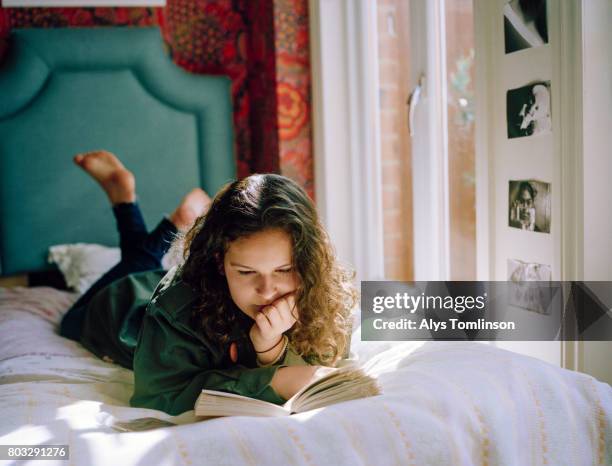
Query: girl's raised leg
[[140, 251]]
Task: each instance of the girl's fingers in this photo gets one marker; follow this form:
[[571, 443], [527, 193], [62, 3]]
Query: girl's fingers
[[263, 322], [287, 310], [273, 315], [279, 316]]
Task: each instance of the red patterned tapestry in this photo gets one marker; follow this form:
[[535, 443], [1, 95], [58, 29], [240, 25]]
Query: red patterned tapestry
[[293, 91], [262, 45]]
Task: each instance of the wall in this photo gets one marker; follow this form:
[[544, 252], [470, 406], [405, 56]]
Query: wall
[[262, 45], [597, 105], [597, 140], [574, 157], [524, 158]]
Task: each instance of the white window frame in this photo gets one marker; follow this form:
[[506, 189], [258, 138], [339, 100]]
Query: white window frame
[[430, 142]]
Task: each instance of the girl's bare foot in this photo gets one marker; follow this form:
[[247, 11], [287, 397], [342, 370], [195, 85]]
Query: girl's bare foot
[[193, 205], [116, 180]]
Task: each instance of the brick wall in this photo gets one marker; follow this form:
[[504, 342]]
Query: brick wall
[[395, 144], [461, 144]]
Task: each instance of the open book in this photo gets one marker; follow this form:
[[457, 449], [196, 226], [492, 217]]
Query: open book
[[347, 383]]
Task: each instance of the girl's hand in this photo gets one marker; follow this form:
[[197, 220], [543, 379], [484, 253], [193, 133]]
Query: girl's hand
[[287, 381], [272, 321], [290, 379]]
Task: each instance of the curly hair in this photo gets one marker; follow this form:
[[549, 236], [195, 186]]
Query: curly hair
[[325, 295]]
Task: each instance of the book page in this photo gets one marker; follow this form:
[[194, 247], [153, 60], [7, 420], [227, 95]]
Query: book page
[[217, 403], [350, 390], [330, 386], [220, 394], [340, 385]]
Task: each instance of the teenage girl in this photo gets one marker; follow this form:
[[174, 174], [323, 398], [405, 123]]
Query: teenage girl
[[257, 306]]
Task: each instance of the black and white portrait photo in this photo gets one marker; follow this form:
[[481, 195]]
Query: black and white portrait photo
[[529, 206], [535, 297], [525, 24], [521, 271], [528, 110]]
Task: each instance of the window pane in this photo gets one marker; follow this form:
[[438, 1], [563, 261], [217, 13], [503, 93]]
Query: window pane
[[461, 146]]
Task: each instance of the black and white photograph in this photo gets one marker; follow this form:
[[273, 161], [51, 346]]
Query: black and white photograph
[[535, 297], [529, 205], [528, 110], [521, 271], [525, 24]]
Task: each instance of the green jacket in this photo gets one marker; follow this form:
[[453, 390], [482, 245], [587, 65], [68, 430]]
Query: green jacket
[[142, 322]]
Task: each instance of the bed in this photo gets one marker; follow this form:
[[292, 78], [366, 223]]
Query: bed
[[65, 91]]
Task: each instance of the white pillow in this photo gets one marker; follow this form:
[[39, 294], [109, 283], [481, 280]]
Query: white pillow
[[82, 264]]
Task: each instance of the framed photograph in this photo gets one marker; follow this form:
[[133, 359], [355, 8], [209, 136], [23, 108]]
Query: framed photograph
[[528, 111], [525, 24], [529, 205], [529, 289]]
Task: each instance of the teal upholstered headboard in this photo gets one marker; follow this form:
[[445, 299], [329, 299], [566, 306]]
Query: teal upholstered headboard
[[64, 91]]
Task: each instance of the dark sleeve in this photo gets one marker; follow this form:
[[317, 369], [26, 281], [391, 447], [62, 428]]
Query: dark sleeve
[[171, 367]]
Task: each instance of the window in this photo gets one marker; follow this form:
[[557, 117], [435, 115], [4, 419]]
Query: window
[[397, 205], [425, 61]]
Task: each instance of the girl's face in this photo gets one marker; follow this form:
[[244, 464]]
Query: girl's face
[[259, 269]]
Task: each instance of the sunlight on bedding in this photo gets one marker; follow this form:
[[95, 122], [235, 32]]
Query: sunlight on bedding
[[81, 415], [304, 417], [35, 435]]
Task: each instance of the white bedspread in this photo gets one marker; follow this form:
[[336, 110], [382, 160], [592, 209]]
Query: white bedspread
[[443, 403]]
